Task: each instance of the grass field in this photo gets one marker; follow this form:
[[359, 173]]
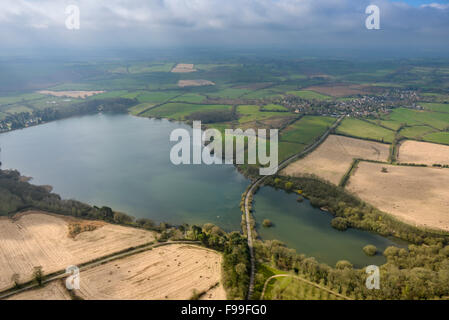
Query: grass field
[[253, 113], [157, 97], [416, 132], [287, 149], [438, 137], [307, 129], [190, 97], [287, 288], [437, 120], [260, 94], [20, 98], [139, 108], [231, 93], [274, 107], [389, 124], [308, 94], [363, 129], [437, 107], [178, 111]]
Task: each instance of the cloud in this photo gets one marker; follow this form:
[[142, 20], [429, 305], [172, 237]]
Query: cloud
[[436, 6], [233, 22]]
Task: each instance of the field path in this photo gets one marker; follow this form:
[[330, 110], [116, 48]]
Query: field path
[[281, 166]]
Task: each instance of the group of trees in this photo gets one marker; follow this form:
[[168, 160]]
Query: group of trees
[[236, 257]]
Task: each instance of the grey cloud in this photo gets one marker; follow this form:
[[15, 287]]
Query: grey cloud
[[104, 22]]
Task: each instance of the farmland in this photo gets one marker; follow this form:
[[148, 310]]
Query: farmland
[[363, 129], [332, 159], [307, 129], [308, 94], [53, 291], [38, 239], [416, 195], [423, 153], [341, 90], [178, 111], [168, 272]]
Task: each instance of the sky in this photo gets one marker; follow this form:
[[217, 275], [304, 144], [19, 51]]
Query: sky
[[407, 26]]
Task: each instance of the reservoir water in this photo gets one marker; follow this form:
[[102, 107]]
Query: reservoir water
[[123, 162], [308, 230]]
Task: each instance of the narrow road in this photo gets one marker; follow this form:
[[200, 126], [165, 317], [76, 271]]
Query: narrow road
[[119, 255], [281, 166], [304, 280]]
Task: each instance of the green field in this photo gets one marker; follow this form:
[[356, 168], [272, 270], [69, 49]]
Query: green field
[[260, 94], [17, 109], [437, 107], [139, 108], [307, 129], [438, 137], [178, 111], [20, 98], [417, 132], [363, 129], [252, 113], [310, 95], [230, 93], [415, 117], [274, 107], [287, 149], [190, 97], [157, 97], [287, 288]]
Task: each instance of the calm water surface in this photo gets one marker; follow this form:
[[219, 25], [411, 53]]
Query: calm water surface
[[123, 162], [308, 230]]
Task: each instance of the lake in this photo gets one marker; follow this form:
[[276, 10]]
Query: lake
[[123, 162], [308, 230]]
